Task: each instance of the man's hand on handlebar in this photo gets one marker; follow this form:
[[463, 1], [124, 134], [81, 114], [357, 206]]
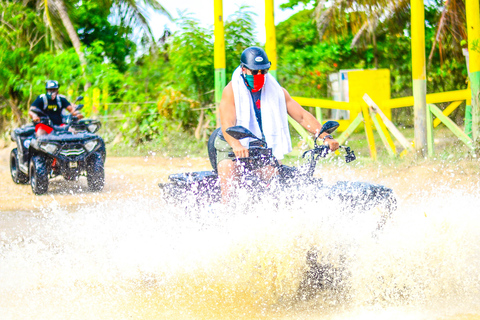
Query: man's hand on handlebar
[[77, 114], [332, 144], [240, 151], [35, 118]]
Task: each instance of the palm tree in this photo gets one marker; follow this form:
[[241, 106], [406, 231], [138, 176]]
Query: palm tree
[[452, 22], [363, 18], [128, 11]]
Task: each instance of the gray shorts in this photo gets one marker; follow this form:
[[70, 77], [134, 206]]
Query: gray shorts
[[223, 150]]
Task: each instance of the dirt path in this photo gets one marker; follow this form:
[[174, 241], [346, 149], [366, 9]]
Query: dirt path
[[126, 177], [98, 260]]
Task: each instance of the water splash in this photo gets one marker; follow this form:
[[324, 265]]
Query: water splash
[[140, 258]]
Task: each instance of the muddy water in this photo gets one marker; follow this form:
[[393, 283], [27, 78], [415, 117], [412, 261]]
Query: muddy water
[[125, 254]]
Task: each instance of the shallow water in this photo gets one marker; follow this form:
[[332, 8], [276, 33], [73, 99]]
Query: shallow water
[[139, 258]]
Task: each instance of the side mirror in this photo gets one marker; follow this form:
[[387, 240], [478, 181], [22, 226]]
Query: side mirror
[[79, 98], [329, 127], [239, 132], [80, 106]]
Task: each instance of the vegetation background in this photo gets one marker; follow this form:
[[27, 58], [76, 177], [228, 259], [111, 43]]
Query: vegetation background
[[160, 92]]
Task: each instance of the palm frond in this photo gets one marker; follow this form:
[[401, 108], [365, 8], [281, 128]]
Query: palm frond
[[361, 17], [452, 22], [135, 13]]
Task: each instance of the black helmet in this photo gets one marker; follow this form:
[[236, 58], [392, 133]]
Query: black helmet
[[254, 58], [51, 84]]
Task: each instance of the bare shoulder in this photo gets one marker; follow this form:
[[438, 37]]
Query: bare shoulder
[[228, 88], [227, 94], [287, 95]]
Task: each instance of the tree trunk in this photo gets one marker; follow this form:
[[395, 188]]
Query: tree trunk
[[200, 124], [375, 48], [72, 33], [16, 110]]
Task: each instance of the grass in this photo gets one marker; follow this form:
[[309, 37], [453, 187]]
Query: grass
[[448, 148], [180, 144]]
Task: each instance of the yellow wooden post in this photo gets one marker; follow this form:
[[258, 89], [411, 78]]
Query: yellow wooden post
[[355, 123], [473, 26], [384, 132], [369, 131], [451, 107], [70, 94], [419, 74], [271, 43], [87, 109], [95, 101], [219, 54], [389, 124], [105, 99], [105, 105]]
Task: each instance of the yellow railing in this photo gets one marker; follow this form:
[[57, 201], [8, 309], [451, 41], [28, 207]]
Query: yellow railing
[[371, 112]]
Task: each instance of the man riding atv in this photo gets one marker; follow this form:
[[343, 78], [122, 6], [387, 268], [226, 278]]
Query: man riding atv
[[50, 104], [254, 99]]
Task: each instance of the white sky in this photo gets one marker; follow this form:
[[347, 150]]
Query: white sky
[[203, 11]]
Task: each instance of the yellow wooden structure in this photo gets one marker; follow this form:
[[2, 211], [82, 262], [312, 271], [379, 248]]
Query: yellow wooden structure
[[219, 51], [473, 27], [419, 73], [376, 114], [271, 43], [376, 83]]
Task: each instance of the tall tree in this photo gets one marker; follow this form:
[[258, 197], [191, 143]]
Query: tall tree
[[22, 32], [130, 12], [361, 17]]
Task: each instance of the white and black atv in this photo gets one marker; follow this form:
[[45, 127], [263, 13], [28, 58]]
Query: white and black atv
[[204, 186], [62, 152]]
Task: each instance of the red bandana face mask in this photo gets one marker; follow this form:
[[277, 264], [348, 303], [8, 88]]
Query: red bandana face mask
[[255, 82]]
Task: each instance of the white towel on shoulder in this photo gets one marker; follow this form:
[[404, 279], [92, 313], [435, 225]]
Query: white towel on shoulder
[[273, 110]]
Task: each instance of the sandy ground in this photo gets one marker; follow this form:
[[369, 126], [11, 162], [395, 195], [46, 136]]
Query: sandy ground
[[124, 177], [130, 176], [139, 176]]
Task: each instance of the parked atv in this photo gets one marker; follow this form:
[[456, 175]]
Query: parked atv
[[62, 152], [204, 186]]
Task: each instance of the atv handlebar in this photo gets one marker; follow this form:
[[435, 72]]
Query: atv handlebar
[[261, 156], [258, 157]]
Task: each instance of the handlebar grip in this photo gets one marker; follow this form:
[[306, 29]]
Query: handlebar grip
[[232, 154]]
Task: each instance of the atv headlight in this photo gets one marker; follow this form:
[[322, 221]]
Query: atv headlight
[[90, 145], [48, 147], [92, 128]]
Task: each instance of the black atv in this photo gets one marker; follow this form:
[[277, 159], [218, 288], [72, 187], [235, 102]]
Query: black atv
[[204, 186], [70, 150]]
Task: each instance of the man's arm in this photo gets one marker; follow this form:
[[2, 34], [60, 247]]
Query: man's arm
[[33, 116], [228, 118], [307, 120], [74, 112], [35, 108]]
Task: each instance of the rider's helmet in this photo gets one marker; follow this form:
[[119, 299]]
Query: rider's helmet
[[254, 58], [51, 84], [52, 88]]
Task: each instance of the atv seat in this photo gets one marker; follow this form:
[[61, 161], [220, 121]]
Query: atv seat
[[212, 152]]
